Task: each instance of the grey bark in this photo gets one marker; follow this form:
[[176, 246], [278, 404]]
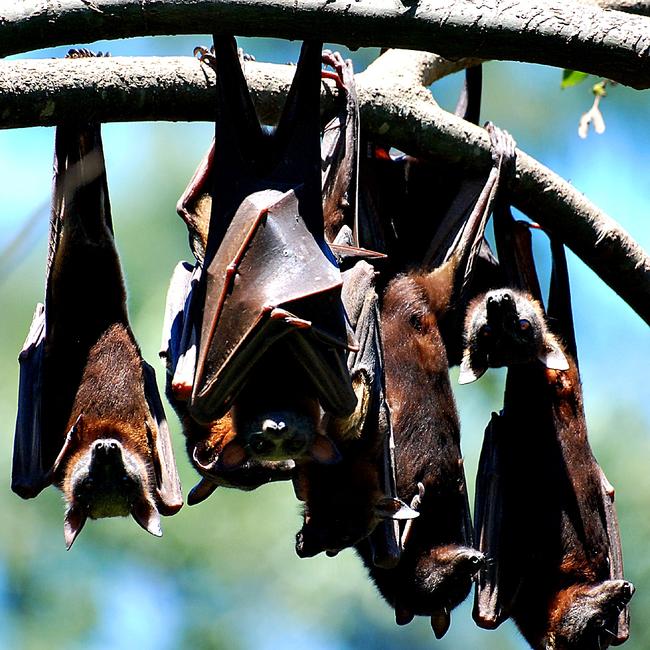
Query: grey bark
[[394, 106], [562, 33]]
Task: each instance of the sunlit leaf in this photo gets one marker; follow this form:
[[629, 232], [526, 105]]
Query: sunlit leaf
[[572, 78]]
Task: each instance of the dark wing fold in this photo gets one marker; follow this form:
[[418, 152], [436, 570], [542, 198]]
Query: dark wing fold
[[30, 470]]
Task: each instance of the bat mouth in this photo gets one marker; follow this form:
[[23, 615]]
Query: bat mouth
[[250, 474], [107, 481]]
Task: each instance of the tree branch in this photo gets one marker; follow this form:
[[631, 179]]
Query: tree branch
[[399, 110], [640, 7], [562, 33]]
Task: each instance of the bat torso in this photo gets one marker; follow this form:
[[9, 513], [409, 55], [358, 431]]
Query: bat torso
[[430, 575], [554, 526], [85, 296]]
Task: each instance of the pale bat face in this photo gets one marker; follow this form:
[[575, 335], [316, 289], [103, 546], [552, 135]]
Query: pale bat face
[[506, 327]]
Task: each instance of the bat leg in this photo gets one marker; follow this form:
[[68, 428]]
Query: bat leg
[[416, 502]]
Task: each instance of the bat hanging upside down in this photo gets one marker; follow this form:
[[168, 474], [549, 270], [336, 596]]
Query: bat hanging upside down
[[545, 513], [90, 418]]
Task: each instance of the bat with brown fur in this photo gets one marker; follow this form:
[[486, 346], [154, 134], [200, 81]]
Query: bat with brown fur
[[356, 497], [544, 510], [90, 419], [438, 560], [267, 324]]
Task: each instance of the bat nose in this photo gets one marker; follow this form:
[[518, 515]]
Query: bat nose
[[273, 428], [107, 447], [303, 547]]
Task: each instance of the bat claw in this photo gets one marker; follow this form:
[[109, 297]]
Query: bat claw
[[334, 60], [205, 55], [83, 53]]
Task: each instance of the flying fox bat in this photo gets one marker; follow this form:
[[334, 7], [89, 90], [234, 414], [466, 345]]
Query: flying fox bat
[[90, 418], [267, 323], [347, 501], [438, 560], [545, 514]]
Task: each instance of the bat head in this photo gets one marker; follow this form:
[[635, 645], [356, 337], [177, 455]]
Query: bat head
[[446, 572], [292, 433], [433, 583], [585, 616], [277, 416], [205, 447], [102, 476], [506, 327]]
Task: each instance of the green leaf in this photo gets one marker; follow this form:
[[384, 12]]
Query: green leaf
[[572, 78]]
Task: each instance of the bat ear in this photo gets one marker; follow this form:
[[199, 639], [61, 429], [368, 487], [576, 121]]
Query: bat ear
[[232, 456], [403, 616], [323, 450], [391, 508], [72, 438], [553, 357], [440, 622], [468, 372], [74, 521], [201, 491], [145, 513]]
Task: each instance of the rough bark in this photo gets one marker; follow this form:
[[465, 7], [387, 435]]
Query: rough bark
[[562, 33], [394, 106]]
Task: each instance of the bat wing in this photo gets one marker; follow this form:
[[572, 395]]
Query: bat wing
[[270, 278], [179, 337], [561, 319], [168, 486], [469, 102], [246, 159], [622, 632], [559, 310], [362, 306], [195, 205], [340, 155], [30, 470], [492, 596]]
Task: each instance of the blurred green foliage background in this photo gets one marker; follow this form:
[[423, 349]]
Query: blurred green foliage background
[[225, 574]]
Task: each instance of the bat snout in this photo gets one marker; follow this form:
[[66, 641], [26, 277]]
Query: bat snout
[[279, 440], [106, 446], [274, 428], [106, 450]]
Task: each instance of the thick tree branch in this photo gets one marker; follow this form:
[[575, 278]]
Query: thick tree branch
[[398, 109], [562, 33], [640, 7]]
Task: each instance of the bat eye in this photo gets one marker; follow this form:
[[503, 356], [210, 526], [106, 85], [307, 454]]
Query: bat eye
[[260, 445], [524, 324], [486, 331], [415, 321]]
